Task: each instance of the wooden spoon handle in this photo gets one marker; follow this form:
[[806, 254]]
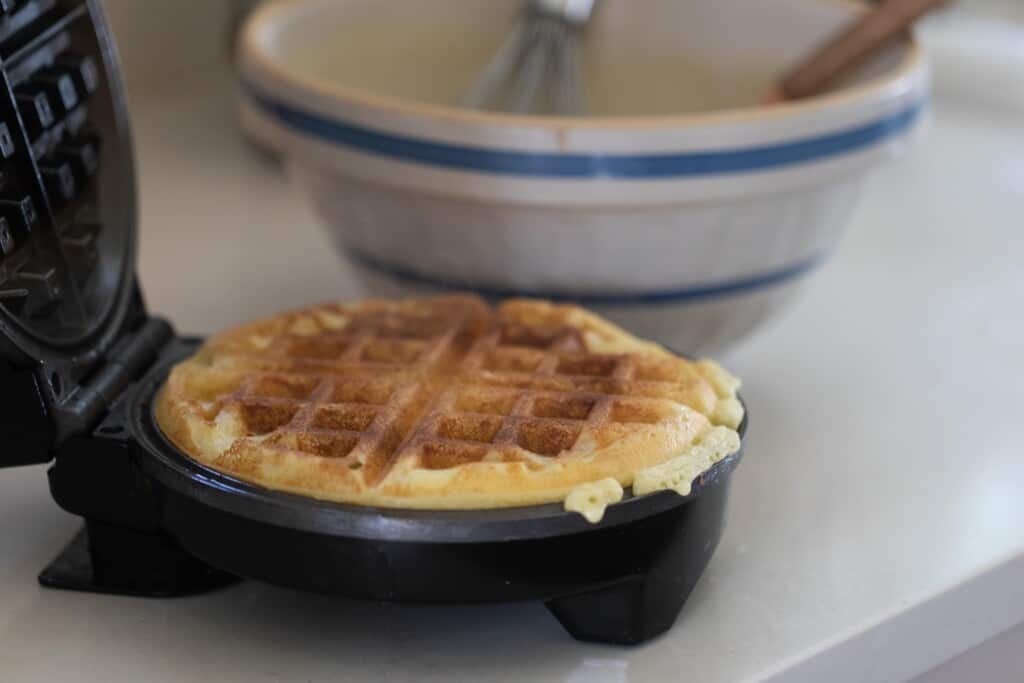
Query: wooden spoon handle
[[851, 45]]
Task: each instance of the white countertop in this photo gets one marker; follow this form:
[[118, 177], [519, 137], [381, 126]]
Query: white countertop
[[876, 526]]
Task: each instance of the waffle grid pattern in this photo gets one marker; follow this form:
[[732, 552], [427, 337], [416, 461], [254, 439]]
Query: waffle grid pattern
[[443, 393]]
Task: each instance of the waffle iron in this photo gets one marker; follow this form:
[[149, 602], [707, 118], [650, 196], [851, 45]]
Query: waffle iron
[[81, 360]]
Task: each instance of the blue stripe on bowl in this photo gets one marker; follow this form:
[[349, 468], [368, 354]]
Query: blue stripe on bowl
[[595, 165], [689, 293]]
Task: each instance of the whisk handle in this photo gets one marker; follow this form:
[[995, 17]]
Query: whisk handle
[[850, 46]]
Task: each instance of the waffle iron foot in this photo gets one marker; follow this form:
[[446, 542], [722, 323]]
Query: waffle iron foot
[[103, 558], [627, 613]]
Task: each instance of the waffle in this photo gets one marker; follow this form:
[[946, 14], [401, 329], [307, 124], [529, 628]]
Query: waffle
[[441, 403]]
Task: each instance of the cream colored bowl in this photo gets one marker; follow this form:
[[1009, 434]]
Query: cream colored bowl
[[690, 228]]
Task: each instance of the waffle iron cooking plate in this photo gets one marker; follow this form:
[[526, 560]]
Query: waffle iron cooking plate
[[81, 360]]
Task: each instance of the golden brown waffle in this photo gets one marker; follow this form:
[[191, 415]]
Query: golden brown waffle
[[440, 403]]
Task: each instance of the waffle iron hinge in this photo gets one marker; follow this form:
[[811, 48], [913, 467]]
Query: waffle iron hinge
[[33, 423], [126, 361], [122, 549]]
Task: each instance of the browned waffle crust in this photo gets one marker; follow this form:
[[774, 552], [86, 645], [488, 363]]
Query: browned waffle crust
[[439, 403]]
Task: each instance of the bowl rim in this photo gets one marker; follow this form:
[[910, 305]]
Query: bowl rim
[[255, 54]]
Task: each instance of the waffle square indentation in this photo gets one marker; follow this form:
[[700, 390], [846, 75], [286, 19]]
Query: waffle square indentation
[[547, 438], [469, 427]]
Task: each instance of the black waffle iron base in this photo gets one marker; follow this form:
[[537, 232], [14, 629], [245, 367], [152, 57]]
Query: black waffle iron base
[[151, 510]]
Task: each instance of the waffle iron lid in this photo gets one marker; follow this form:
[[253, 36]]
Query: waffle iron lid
[[67, 191]]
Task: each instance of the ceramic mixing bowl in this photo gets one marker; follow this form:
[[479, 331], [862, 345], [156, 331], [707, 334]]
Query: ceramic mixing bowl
[[691, 228]]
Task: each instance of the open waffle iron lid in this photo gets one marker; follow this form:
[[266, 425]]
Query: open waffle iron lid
[[69, 306]]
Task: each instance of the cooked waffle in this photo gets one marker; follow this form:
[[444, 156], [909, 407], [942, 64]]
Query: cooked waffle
[[440, 403]]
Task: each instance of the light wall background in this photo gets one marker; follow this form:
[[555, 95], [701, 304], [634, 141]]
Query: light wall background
[[159, 41]]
